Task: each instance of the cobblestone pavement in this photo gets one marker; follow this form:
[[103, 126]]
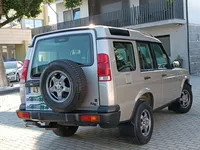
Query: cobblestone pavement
[[172, 131]]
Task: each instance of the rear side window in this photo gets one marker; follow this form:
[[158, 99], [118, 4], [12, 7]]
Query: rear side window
[[77, 48], [124, 56]]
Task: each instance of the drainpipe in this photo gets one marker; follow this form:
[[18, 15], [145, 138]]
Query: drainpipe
[[188, 34]]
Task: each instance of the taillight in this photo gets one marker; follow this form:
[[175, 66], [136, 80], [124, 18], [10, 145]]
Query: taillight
[[104, 71], [23, 115], [88, 118], [24, 71]]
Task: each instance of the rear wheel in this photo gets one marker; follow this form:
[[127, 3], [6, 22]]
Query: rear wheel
[[65, 131], [184, 103], [141, 126]]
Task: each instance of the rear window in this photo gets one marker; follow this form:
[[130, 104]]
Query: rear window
[[77, 48]]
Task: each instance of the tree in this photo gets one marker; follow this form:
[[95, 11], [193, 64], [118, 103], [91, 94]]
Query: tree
[[21, 8], [72, 3]]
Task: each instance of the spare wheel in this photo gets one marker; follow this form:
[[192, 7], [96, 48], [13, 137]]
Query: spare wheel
[[63, 85]]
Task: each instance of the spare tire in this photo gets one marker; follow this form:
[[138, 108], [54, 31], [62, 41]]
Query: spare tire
[[63, 85]]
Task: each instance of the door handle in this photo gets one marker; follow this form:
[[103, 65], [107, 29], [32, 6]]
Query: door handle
[[147, 78], [164, 75]]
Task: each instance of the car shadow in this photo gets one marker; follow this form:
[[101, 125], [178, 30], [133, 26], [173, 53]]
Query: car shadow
[[9, 118], [166, 123], [90, 137]]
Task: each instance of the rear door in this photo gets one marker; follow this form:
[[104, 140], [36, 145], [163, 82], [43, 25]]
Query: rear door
[[125, 74], [78, 46], [149, 76], [170, 86]]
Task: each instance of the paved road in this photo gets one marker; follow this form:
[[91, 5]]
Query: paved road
[[172, 131]]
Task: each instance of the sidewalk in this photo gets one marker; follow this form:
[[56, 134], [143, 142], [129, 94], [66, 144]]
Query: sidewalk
[[7, 90]]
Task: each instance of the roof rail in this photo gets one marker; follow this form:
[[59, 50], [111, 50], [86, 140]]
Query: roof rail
[[145, 33]]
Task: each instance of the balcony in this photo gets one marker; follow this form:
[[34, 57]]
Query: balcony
[[160, 10]]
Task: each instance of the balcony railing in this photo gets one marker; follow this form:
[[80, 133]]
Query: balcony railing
[[152, 12]]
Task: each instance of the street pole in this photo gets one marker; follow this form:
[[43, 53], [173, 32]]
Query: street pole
[[188, 35]]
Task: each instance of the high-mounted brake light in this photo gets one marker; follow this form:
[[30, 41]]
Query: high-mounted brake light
[[24, 71], [104, 71]]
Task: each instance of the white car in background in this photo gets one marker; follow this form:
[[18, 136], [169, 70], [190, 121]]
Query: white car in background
[[13, 70]]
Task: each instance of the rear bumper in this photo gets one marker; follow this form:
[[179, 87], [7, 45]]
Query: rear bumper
[[107, 119]]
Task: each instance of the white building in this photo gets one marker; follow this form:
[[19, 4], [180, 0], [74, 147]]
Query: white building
[[164, 19]]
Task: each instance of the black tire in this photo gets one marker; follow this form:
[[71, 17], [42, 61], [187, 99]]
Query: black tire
[[177, 106], [65, 131], [139, 138], [17, 78], [78, 90]]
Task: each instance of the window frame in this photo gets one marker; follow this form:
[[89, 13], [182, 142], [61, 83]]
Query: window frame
[[126, 42], [151, 54], [155, 60], [72, 14], [34, 22], [91, 48], [74, 11]]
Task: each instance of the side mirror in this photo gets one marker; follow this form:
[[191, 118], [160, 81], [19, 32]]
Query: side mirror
[[176, 64]]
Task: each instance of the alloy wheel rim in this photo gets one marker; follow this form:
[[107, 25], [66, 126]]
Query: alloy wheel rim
[[145, 123], [58, 86], [185, 99]]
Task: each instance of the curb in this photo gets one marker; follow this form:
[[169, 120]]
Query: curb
[[10, 90]]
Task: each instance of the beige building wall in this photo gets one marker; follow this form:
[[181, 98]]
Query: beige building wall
[[18, 37], [43, 15], [21, 50], [14, 36]]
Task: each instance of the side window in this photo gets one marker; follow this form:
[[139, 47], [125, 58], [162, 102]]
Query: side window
[[124, 56], [146, 62], [161, 57]]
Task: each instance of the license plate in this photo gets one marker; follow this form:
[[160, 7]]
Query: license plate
[[34, 99]]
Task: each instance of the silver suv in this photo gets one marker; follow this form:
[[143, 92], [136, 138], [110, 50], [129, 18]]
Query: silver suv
[[100, 75]]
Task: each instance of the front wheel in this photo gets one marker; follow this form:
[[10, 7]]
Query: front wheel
[[17, 78], [184, 103], [65, 131]]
